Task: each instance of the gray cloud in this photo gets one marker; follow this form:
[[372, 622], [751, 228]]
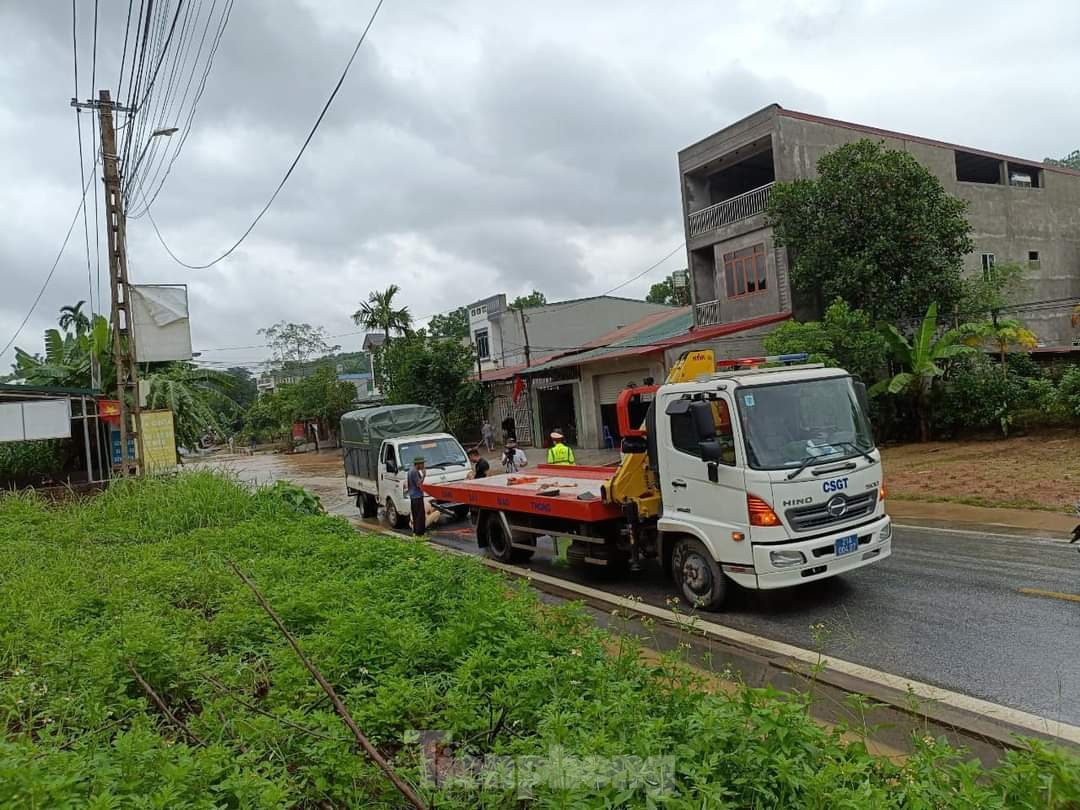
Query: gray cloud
[[477, 148]]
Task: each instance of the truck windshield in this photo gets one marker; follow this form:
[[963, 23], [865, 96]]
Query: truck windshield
[[436, 452], [787, 424]]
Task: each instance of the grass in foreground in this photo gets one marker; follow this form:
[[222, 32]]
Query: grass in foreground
[[413, 641]]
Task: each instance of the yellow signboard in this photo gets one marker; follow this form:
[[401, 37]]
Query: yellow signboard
[[159, 441]]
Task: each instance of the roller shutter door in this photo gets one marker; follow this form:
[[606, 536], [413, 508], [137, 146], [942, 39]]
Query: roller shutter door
[[609, 386]]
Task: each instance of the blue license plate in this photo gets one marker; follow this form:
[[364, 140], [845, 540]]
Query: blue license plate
[[846, 545]]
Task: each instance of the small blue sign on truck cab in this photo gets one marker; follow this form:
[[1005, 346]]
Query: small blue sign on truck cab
[[835, 485]]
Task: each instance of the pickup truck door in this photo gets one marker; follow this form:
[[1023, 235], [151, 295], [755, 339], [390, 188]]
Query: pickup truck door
[[389, 477], [715, 508]]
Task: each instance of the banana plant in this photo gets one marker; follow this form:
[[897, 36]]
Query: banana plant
[[924, 359], [190, 393], [67, 359]]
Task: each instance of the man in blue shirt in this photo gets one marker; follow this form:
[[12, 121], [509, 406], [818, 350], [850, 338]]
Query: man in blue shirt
[[415, 479]]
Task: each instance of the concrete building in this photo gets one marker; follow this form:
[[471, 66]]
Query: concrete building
[[1020, 210], [498, 334]]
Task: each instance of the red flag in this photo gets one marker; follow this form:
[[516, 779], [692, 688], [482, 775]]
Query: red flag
[[519, 389]]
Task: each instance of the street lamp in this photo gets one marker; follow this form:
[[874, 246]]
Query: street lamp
[[166, 132]]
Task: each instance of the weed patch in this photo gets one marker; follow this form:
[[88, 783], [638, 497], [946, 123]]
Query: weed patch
[[438, 660]]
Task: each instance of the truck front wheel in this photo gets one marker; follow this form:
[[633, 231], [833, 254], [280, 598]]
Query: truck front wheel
[[697, 575], [395, 518]]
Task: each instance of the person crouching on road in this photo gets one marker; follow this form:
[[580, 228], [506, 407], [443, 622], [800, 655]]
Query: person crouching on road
[[559, 453], [480, 464], [415, 480]]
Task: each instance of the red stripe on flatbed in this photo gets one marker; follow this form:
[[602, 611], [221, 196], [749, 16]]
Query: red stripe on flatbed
[[496, 492]]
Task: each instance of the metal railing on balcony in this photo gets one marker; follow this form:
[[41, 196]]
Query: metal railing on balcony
[[724, 213], [707, 313]]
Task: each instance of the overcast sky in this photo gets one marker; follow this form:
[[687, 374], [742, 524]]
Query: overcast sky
[[482, 147]]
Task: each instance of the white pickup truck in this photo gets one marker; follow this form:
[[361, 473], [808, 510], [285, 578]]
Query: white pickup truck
[[379, 445]]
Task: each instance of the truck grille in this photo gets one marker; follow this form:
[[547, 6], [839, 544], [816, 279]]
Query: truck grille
[[827, 513]]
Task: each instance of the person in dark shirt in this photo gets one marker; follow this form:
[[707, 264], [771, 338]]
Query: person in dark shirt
[[415, 480], [480, 464]]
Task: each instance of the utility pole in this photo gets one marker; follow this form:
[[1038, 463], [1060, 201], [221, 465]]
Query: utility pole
[[528, 364], [124, 357], [525, 334]]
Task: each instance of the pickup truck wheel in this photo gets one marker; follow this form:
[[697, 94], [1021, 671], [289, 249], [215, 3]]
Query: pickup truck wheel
[[368, 506], [697, 575], [393, 517], [499, 545]]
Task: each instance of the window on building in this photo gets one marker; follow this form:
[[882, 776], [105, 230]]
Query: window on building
[[483, 351], [972, 168], [987, 264], [1033, 259], [745, 271], [685, 439], [1024, 176]]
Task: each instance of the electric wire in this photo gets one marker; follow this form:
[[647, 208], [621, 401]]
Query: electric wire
[[288, 173], [52, 270], [82, 169]]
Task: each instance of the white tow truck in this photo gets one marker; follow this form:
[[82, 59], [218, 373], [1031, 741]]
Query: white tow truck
[[743, 472]]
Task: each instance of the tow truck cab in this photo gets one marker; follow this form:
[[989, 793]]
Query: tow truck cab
[[773, 470]]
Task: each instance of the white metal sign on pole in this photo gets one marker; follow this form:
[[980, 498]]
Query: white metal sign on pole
[[162, 327]]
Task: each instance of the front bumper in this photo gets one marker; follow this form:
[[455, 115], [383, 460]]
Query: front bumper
[[875, 544]]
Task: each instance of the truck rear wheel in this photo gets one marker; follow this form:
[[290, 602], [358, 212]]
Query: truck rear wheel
[[697, 575], [393, 517], [499, 545], [368, 506]]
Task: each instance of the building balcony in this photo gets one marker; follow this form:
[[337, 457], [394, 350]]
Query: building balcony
[[707, 313], [729, 211]]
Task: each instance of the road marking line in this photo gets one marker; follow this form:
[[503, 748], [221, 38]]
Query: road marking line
[[918, 689], [1067, 597]]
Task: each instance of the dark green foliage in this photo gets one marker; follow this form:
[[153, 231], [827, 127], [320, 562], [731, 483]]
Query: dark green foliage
[[426, 370], [844, 337], [533, 299], [412, 640], [875, 228], [30, 463], [665, 292], [454, 324], [296, 497], [1070, 161]]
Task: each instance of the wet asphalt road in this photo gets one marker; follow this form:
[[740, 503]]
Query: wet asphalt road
[[945, 608]]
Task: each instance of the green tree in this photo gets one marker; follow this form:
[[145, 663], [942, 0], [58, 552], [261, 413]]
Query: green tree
[[1070, 161], [844, 337], [425, 370], [379, 314], [267, 418], [923, 360], [875, 228], [320, 396], [296, 343], [1002, 335], [454, 324], [533, 299], [985, 294], [665, 292]]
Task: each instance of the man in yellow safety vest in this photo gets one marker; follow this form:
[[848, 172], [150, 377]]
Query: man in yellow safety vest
[[559, 453]]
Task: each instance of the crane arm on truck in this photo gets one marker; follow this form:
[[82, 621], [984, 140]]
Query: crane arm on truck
[[635, 481]]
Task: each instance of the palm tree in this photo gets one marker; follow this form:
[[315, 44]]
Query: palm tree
[[378, 313], [1004, 334], [924, 359], [73, 316]]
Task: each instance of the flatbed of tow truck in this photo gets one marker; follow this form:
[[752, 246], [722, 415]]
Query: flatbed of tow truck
[[547, 490]]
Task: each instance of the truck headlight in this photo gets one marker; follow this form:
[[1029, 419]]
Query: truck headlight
[[786, 559], [886, 532]]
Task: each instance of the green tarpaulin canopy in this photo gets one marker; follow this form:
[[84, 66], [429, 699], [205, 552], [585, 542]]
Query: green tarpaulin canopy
[[368, 427]]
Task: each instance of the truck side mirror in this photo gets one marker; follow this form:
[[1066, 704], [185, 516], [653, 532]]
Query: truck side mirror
[[704, 425], [711, 451], [391, 466]]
